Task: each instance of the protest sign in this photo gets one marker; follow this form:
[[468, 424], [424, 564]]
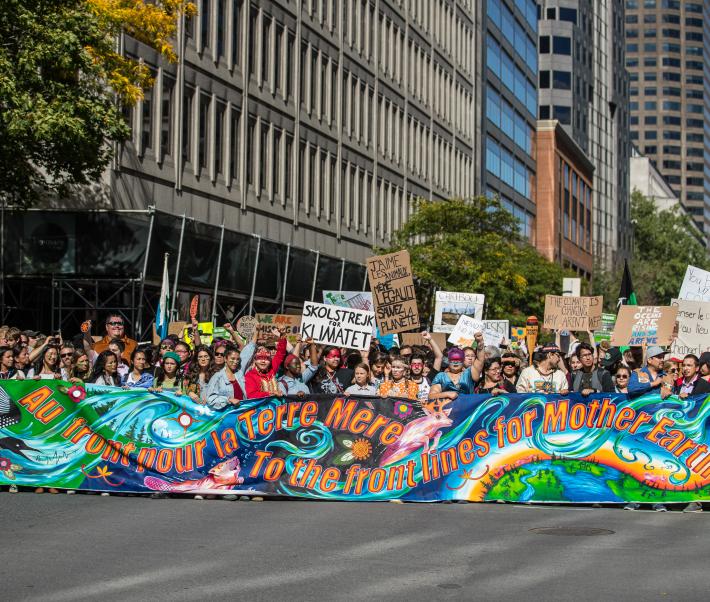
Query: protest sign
[[466, 328], [693, 327], [355, 299], [393, 292], [644, 325], [204, 328], [603, 333], [176, 328], [517, 333], [572, 313], [571, 287], [411, 338], [289, 324], [340, 326], [246, 325], [502, 327], [451, 306], [696, 285], [99, 438]]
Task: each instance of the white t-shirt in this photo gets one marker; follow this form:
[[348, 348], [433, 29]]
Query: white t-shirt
[[424, 388], [531, 381]]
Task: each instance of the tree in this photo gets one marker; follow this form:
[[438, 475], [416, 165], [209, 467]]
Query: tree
[[664, 245], [475, 246], [62, 85]]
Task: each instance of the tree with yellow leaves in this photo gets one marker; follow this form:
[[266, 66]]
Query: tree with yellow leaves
[[63, 83]]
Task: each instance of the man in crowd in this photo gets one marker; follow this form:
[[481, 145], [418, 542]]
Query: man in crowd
[[691, 383], [589, 380], [545, 375], [115, 329], [651, 377]]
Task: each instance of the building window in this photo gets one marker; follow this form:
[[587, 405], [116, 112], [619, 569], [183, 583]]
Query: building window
[[166, 116], [561, 45], [562, 80]]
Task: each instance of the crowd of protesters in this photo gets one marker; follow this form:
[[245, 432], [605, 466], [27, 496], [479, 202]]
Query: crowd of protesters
[[229, 370]]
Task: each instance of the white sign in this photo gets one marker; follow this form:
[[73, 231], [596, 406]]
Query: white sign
[[466, 328], [355, 299], [693, 328], [332, 325], [696, 285], [451, 306], [571, 287], [502, 327]]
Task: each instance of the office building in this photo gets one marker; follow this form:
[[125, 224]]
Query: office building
[[509, 30], [293, 136], [667, 56]]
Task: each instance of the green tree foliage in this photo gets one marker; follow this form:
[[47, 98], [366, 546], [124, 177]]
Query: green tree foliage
[[474, 246], [664, 245], [61, 85]]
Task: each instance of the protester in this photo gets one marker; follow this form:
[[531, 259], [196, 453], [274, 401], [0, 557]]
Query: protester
[[456, 380], [651, 377], [691, 383], [138, 377], [115, 329], [119, 348], [227, 386], [362, 385], [399, 385], [379, 364], [218, 355], [7, 365], [545, 377], [331, 378], [510, 366], [199, 373], [493, 382], [47, 366], [185, 355], [621, 379], [574, 363], [416, 375], [106, 369], [22, 359], [167, 374], [260, 380], [66, 360], [588, 379], [469, 356]]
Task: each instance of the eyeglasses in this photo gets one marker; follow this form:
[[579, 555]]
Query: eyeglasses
[[115, 323], [66, 354], [166, 346], [673, 370], [618, 376]]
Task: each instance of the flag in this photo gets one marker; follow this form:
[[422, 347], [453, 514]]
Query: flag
[[627, 295], [162, 316]]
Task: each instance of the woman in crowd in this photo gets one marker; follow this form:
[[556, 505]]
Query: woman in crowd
[[66, 359], [260, 380], [227, 386], [510, 366], [105, 369], [399, 385], [138, 377], [218, 355], [362, 384], [456, 380], [7, 365], [22, 358], [199, 374], [47, 366], [493, 382], [379, 365], [81, 366], [331, 378], [621, 379], [574, 363], [167, 377]]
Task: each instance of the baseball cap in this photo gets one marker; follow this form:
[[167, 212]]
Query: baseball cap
[[31, 334], [655, 351], [551, 348], [611, 357]]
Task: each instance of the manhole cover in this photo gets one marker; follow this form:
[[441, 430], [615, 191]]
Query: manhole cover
[[571, 531]]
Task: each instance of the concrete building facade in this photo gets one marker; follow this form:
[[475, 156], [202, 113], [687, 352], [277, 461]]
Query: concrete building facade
[[668, 56]]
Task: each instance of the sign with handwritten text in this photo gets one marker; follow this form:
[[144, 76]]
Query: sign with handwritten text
[[393, 292]]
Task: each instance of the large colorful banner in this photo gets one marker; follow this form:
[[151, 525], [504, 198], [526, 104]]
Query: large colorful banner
[[517, 448]]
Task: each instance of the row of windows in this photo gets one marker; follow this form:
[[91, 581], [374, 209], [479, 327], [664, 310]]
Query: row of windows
[[692, 36], [510, 75], [561, 113], [560, 80], [526, 221], [501, 163], [666, 47], [690, 7], [666, 61], [514, 32], [560, 45], [665, 18], [577, 208], [502, 114]]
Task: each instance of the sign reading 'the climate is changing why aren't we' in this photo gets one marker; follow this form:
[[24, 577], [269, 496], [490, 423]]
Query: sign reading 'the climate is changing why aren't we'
[[393, 292], [573, 313]]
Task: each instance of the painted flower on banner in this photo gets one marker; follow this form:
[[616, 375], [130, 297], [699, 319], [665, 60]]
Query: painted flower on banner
[[402, 409], [76, 393], [359, 449], [9, 469]]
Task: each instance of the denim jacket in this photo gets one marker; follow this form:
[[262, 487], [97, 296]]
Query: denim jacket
[[219, 389]]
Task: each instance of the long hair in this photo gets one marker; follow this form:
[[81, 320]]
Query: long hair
[[193, 373], [75, 373], [39, 363], [100, 365]]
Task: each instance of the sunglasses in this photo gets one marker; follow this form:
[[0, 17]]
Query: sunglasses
[[219, 354], [66, 354], [166, 346], [622, 376], [513, 364], [115, 323]]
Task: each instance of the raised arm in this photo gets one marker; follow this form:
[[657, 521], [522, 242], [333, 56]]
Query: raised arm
[[477, 366], [438, 354]]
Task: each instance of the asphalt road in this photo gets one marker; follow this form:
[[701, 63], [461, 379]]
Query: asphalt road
[[85, 547]]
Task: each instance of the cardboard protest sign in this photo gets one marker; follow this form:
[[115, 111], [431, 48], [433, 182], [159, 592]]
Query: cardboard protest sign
[[176, 328], [696, 285], [693, 327], [290, 324], [393, 292], [332, 325], [573, 313], [411, 338], [246, 325], [644, 325], [355, 299], [451, 306], [466, 328]]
